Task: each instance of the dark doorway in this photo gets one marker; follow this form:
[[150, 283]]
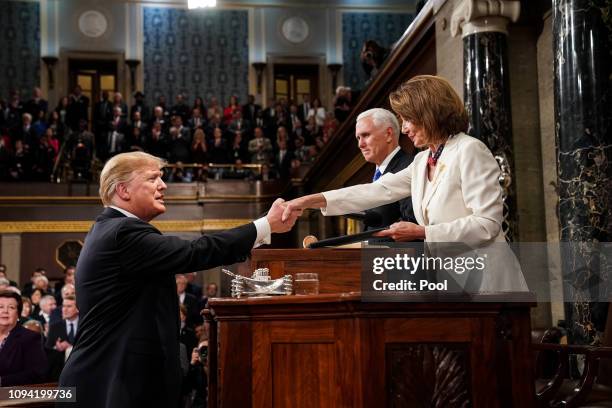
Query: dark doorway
[[292, 82], [94, 77]]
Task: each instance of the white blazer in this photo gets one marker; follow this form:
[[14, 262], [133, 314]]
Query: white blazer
[[464, 202]]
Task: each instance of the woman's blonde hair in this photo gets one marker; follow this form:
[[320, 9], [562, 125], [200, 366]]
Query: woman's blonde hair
[[430, 102], [120, 169]]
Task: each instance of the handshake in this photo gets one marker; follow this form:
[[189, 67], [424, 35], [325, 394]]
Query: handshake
[[283, 214]]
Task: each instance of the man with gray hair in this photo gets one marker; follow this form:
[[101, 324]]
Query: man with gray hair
[[126, 352], [377, 132]]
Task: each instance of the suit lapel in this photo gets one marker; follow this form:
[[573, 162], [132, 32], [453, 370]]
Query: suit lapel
[[442, 166], [420, 163], [393, 162]]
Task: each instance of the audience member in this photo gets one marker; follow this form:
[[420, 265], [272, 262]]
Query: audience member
[[4, 274], [28, 287], [22, 359], [188, 300], [260, 148], [61, 337]]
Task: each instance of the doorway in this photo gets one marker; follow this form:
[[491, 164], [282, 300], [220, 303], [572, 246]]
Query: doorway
[[94, 77], [292, 82]]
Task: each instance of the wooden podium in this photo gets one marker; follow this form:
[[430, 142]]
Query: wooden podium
[[334, 350]]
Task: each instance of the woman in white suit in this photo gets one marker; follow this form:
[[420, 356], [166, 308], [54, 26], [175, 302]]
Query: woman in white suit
[[454, 182]]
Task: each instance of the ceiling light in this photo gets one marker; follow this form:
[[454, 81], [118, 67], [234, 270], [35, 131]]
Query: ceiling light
[[195, 4]]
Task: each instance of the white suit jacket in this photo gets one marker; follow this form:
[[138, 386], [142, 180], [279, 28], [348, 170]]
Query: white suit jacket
[[464, 203]]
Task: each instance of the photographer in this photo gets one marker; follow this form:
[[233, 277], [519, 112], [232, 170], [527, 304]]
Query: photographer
[[196, 380]]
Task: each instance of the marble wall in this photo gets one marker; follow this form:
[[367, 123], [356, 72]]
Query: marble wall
[[20, 49], [449, 50]]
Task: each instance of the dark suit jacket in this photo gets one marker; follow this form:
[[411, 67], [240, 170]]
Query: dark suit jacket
[[57, 330], [399, 210], [127, 346], [22, 359], [193, 310]]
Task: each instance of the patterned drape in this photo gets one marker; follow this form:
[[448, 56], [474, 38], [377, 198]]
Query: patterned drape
[[384, 28], [198, 53], [19, 47]]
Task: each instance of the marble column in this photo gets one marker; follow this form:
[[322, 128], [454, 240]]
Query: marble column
[[483, 25], [582, 41]]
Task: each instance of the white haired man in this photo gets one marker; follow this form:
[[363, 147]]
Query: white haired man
[[377, 132]]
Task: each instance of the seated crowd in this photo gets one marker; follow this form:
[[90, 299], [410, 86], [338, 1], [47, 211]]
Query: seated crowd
[[39, 325], [279, 138]]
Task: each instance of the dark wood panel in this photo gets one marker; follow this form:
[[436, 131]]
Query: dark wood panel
[[427, 329], [303, 375], [428, 375], [39, 250], [235, 371], [444, 354]]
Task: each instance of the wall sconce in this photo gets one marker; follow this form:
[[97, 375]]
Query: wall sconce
[[259, 68], [334, 69], [50, 63], [132, 64]]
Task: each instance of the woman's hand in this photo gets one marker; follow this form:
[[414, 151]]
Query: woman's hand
[[403, 231]]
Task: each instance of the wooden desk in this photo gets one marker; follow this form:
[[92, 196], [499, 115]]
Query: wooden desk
[[333, 350], [338, 269]]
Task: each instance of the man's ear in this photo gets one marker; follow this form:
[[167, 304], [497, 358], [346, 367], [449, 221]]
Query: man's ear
[[122, 191], [389, 135]]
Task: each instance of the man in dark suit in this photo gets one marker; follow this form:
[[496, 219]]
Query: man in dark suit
[[250, 109], [377, 133], [78, 108], [127, 348], [37, 104], [188, 300], [60, 339]]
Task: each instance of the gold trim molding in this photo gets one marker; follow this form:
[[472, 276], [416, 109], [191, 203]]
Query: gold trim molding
[[17, 227]]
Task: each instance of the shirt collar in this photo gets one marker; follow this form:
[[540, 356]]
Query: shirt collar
[[122, 211], [75, 321], [385, 163]]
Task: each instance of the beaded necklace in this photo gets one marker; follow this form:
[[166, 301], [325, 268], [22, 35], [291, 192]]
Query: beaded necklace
[[434, 156]]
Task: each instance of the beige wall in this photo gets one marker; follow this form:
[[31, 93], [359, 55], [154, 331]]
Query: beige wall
[[449, 49], [549, 162]]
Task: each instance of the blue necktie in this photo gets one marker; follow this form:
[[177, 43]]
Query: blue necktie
[[376, 175]]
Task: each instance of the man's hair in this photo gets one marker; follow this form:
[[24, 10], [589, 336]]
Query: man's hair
[[41, 277], [41, 270], [12, 295], [121, 169], [180, 276], [65, 289], [4, 281], [382, 117], [431, 102], [46, 299]]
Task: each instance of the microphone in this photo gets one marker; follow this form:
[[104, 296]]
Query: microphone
[[369, 218]]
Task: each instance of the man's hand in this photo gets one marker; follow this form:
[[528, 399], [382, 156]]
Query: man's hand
[[403, 231], [62, 345], [300, 204], [275, 214]]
